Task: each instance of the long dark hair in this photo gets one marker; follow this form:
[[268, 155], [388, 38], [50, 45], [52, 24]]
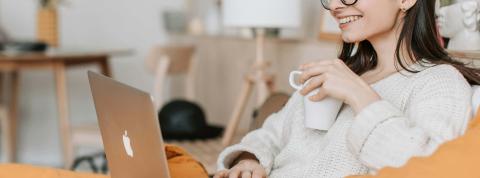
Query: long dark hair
[[418, 36]]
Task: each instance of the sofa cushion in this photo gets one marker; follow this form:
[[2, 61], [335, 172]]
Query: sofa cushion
[[458, 158], [27, 171]]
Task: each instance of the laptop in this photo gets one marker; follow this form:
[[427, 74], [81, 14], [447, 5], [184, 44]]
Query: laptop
[[130, 129]]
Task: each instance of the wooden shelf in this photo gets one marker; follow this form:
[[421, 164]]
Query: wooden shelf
[[474, 55], [241, 38]]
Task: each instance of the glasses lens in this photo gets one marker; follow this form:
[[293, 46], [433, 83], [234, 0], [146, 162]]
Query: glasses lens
[[349, 2], [326, 4]]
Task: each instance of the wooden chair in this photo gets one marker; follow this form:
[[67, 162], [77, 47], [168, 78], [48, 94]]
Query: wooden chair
[[273, 104], [164, 61], [168, 61]]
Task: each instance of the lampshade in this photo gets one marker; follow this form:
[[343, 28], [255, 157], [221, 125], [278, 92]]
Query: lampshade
[[261, 13]]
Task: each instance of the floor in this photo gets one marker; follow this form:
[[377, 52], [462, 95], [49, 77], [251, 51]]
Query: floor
[[205, 151]]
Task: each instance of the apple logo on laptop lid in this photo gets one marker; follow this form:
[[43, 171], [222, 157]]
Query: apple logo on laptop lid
[[127, 145]]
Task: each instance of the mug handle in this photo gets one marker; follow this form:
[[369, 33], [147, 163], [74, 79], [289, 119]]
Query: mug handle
[[291, 79]]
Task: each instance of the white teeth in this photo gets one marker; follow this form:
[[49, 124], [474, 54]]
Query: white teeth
[[349, 19]]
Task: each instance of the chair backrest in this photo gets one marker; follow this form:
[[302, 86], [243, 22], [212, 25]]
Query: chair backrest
[[272, 104], [476, 98], [171, 60], [180, 58]]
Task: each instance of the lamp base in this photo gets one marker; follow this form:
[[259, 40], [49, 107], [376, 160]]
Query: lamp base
[[265, 81], [259, 78]]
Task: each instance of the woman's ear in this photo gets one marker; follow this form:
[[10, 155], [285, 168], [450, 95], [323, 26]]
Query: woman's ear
[[405, 5]]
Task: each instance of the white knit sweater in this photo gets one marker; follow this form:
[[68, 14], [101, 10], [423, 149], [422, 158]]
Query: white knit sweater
[[417, 113]]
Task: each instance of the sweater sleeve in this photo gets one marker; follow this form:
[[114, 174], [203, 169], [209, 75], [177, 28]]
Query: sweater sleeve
[[265, 143], [383, 135]]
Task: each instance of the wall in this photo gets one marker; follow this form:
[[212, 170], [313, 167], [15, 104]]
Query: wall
[[92, 24]]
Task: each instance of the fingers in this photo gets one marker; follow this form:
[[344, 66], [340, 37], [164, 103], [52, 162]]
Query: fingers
[[311, 64], [319, 96], [234, 173], [322, 62], [314, 83], [221, 174], [313, 71], [244, 169], [246, 174]]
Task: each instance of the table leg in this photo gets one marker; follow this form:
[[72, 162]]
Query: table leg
[[9, 120], [62, 106], [5, 134], [13, 114], [105, 67], [3, 121], [2, 95]]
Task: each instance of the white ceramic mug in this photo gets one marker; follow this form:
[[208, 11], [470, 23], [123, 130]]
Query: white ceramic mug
[[320, 115]]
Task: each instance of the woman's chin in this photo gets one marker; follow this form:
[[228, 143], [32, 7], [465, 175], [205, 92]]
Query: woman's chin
[[347, 38]]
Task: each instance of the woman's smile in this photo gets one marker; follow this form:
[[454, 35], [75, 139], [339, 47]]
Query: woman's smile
[[346, 20]]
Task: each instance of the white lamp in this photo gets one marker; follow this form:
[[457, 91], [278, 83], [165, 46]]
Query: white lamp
[[257, 14], [261, 13]]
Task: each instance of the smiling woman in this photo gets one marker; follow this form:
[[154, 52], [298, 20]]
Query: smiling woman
[[389, 113], [415, 30]]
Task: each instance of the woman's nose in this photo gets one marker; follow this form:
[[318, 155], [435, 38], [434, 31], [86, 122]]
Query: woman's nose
[[336, 4]]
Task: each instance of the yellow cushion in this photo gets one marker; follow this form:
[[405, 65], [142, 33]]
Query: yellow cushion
[[27, 171], [458, 158], [180, 164]]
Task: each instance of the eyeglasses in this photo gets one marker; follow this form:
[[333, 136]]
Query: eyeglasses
[[326, 3]]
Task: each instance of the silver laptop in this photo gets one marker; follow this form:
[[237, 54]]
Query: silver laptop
[[130, 130]]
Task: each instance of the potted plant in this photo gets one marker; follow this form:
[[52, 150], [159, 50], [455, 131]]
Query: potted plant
[[47, 22]]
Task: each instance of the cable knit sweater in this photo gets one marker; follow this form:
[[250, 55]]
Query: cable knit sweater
[[417, 112]]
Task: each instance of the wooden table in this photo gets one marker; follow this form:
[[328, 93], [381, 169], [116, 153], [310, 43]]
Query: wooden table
[[57, 61]]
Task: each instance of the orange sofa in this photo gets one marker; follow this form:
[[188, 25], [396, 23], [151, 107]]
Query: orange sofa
[[456, 159]]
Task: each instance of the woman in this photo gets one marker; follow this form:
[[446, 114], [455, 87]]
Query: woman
[[403, 96]]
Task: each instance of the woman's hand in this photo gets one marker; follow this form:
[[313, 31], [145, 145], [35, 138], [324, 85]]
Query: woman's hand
[[335, 79], [247, 168]]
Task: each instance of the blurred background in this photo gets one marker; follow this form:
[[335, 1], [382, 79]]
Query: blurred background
[[132, 35]]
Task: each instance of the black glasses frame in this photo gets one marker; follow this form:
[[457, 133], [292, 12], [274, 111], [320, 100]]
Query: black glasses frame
[[343, 2]]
